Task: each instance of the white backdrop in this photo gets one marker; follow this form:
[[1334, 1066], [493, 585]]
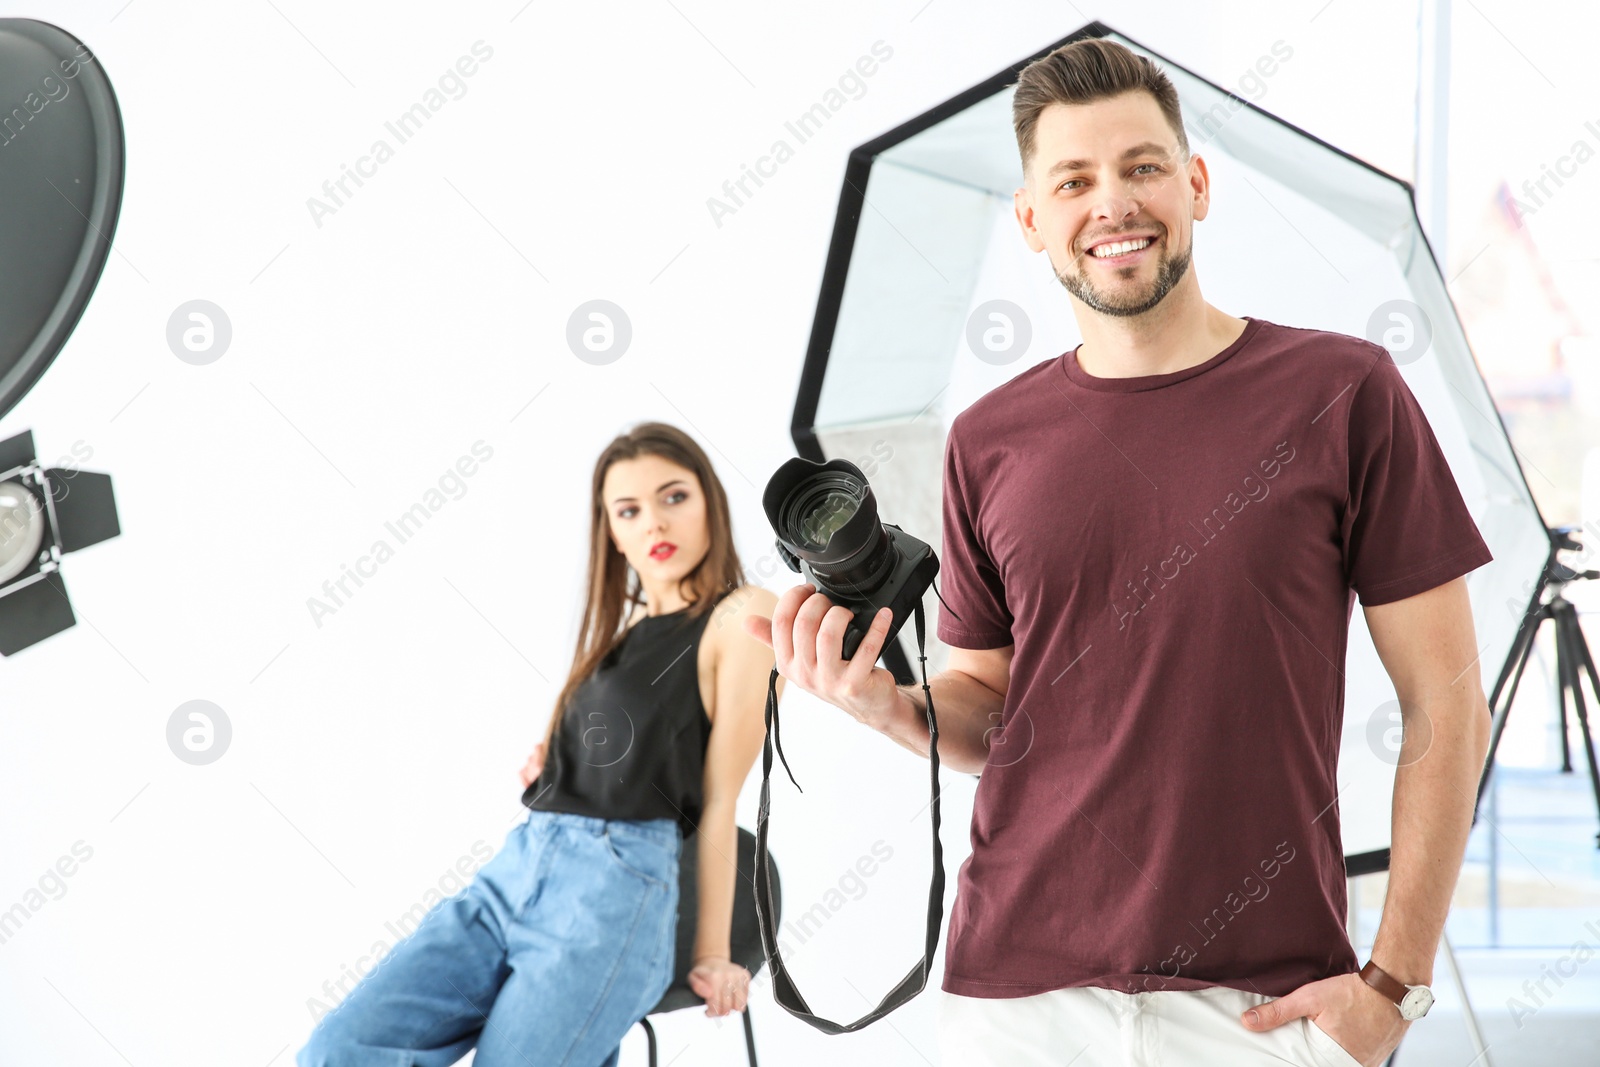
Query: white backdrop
[[378, 339]]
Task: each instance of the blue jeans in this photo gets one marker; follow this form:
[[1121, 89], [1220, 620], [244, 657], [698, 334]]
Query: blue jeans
[[559, 945]]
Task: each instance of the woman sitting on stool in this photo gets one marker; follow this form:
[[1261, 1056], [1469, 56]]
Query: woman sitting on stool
[[566, 938]]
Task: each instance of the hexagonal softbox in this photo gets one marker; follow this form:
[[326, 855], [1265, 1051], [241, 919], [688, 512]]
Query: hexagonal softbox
[[1299, 232]]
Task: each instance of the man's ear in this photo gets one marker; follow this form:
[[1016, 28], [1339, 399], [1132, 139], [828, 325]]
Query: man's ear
[[1022, 207], [1200, 182]]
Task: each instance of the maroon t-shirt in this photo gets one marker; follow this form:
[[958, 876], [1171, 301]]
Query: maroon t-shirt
[[1176, 558]]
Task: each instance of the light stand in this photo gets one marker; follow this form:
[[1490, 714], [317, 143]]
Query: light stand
[[1572, 652]]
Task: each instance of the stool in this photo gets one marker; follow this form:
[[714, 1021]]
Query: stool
[[745, 936]]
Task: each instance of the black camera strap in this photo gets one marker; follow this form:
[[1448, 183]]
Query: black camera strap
[[783, 987]]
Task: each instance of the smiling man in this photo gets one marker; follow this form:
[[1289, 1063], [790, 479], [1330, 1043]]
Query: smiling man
[[1152, 549]]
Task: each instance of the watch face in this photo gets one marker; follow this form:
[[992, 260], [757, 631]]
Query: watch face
[[1416, 1003]]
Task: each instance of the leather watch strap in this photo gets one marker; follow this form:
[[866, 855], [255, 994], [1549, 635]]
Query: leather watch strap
[[1384, 982]]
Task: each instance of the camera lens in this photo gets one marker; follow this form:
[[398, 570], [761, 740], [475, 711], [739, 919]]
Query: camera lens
[[826, 520], [826, 515]]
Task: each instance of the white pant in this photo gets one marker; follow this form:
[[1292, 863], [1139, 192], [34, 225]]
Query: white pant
[[1087, 1026]]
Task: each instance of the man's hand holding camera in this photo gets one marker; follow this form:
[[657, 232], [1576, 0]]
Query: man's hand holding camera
[[806, 635]]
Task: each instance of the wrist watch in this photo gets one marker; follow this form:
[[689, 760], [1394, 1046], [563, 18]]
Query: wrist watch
[[1412, 1000]]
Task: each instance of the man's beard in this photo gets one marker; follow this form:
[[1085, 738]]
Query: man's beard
[[1169, 271]]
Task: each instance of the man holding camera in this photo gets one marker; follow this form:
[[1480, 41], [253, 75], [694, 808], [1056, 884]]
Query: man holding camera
[[1152, 547]]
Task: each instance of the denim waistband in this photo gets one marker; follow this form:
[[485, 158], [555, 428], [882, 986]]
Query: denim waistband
[[665, 829]]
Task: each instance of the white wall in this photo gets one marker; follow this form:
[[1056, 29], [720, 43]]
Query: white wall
[[372, 349]]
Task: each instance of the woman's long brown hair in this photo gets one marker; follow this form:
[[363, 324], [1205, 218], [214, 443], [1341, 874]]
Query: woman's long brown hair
[[610, 598]]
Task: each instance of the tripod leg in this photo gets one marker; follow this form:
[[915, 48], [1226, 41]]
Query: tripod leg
[[1566, 682], [1474, 1035], [1570, 632], [1521, 649]]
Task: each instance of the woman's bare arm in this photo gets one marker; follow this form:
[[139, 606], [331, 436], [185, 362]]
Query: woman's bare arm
[[738, 726]]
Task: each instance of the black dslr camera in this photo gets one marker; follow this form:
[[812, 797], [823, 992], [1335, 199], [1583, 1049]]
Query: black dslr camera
[[827, 524]]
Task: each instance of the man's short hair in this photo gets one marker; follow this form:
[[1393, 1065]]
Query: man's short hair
[[1084, 71]]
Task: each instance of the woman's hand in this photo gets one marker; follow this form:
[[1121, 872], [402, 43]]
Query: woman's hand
[[724, 986], [535, 764]]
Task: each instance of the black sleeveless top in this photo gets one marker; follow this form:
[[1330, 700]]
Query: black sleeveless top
[[632, 744]]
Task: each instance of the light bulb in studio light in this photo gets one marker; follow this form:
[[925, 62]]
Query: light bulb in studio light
[[21, 529]]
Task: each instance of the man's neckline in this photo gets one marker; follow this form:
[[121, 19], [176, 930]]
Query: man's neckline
[[1139, 383]]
